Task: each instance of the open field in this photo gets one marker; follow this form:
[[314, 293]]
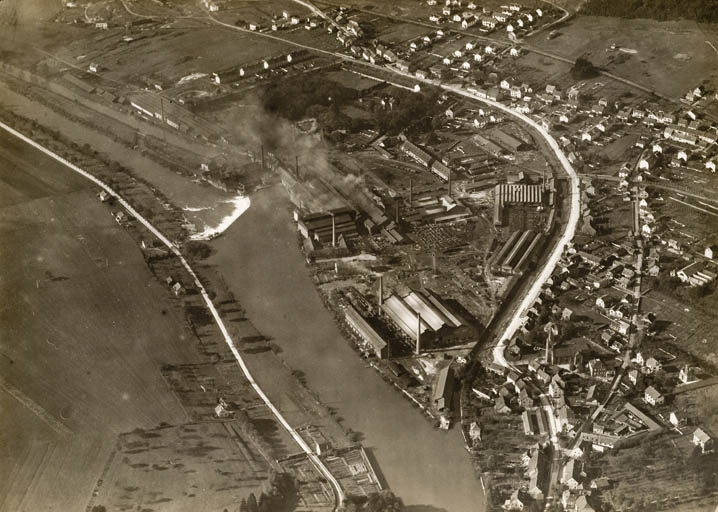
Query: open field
[[26, 12], [195, 466], [692, 329], [671, 56], [167, 56], [701, 405], [85, 330], [666, 473]]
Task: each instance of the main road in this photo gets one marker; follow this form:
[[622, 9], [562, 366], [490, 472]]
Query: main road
[[338, 491]]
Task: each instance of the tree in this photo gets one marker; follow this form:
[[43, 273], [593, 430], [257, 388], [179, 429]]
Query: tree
[[583, 69], [384, 501], [252, 505]]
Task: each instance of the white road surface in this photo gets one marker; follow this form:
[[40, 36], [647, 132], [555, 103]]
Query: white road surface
[[338, 492]]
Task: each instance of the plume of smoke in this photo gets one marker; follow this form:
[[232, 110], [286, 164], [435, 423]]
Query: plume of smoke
[[281, 137]]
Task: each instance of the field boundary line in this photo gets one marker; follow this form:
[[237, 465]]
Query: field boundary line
[[316, 461], [35, 408]]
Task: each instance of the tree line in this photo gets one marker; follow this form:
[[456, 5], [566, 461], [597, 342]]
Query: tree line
[[661, 10]]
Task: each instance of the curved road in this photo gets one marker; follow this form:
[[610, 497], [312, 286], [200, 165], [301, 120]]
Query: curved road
[[338, 492], [566, 237]]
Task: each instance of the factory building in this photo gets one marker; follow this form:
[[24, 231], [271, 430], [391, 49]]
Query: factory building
[[404, 317], [436, 207], [441, 169], [416, 153], [508, 141], [444, 388], [515, 193], [516, 252], [366, 332], [327, 227], [419, 313], [164, 110]]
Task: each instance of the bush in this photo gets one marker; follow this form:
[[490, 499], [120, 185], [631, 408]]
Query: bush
[[198, 250]]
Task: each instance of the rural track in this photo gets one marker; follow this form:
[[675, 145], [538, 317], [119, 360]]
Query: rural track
[[321, 467]]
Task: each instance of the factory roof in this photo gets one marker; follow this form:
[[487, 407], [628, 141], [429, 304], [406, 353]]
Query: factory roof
[[366, 331], [444, 383], [403, 315], [450, 317], [507, 140], [428, 313]]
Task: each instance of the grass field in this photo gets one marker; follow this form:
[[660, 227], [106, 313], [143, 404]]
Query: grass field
[[86, 328], [671, 57], [692, 329], [191, 467], [660, 474], [168, 55]]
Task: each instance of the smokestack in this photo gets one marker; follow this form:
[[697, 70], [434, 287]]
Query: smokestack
[[546, 356], [334, 232], [296, 166], [449, 182], [411, 191], [396, 211], [264, 168], [418, 333], [381, 290]]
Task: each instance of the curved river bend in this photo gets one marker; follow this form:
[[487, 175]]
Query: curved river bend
[[264, 268]]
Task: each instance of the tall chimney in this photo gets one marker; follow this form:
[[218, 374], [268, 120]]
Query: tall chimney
[[418, 333], [296, 166], [449, 183], [381, 290], [396, 211], [264, 168], [411, 191], [546, 355], [334, 232]]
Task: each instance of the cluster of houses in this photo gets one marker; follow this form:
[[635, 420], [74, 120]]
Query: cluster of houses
[[514, 18]]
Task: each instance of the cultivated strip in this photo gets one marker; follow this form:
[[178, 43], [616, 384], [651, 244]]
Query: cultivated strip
[[338, 492]]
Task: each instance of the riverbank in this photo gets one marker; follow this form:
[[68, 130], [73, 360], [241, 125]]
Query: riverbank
[[261, 262]]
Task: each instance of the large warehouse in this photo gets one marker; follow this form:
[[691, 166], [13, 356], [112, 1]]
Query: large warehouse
[[405, 312], [327, 227], [366, 332]]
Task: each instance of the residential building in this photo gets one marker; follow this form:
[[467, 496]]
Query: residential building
[[700, 438], [653, 396]]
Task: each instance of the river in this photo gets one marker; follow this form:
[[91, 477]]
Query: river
[[264, 268]]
